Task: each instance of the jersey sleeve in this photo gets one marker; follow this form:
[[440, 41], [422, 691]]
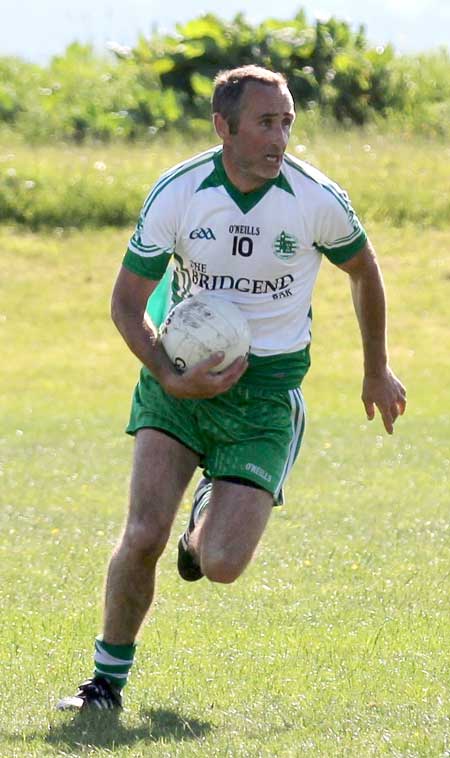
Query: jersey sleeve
[[153, 241], [340, 234]]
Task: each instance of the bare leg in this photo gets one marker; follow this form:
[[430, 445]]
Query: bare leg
[[226, 537], [161, 472]]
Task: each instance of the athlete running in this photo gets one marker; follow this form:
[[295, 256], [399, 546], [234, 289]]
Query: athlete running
[[249, 223]]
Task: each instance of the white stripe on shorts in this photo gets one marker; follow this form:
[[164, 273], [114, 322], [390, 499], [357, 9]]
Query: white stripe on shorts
[[298, 426]]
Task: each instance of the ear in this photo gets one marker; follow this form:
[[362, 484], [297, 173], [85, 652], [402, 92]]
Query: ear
[[221, 126]]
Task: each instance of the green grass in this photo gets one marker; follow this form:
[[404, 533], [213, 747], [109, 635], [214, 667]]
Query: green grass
[[335, 642], [391, 179]]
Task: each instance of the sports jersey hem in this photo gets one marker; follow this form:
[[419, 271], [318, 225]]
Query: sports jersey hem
[[269, 384]]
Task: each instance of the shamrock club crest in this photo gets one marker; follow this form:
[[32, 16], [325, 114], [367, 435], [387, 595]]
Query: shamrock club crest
[[285, 246]]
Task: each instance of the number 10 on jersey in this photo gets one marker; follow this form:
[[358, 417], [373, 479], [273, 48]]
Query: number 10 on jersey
[[242, 246]]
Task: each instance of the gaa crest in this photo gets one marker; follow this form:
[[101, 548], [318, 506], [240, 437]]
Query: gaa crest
[[285, 246]]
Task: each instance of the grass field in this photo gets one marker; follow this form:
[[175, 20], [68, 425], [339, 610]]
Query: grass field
[[391, 180], [336, 640]]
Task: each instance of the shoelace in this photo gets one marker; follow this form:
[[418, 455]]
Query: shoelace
[[99, 693]]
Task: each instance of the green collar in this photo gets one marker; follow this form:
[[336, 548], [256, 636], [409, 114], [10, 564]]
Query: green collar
[[244, 200]]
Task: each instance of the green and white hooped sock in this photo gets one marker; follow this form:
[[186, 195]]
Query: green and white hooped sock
[[113, 662], [202, 497]]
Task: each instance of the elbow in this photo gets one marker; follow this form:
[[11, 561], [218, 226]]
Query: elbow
[[118, 309], [114, 310]]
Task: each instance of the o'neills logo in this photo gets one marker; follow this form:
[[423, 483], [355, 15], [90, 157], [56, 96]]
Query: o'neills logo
[[241, 284]]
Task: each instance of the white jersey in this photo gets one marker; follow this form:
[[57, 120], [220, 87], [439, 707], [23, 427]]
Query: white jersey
[[261, 249]]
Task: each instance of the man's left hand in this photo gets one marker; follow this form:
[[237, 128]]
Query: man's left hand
[[388, 394]]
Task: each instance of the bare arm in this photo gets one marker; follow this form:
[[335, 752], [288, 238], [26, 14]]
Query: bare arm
[[128, 304], [381, 388]]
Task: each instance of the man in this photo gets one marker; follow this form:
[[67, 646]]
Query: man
[[249, 223]]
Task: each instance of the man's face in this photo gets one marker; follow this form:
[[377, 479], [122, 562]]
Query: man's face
[[254, 154]]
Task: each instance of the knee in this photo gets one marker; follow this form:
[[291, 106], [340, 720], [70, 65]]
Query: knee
[[145, 538]]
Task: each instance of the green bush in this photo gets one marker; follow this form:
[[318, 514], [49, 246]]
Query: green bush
[[165, 81], [83, 95], [327, 64], [423, 83]]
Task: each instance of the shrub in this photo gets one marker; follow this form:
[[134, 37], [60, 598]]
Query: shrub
[[166, 80]]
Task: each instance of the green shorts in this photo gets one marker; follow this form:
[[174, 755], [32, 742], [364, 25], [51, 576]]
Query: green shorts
[[248, 432]]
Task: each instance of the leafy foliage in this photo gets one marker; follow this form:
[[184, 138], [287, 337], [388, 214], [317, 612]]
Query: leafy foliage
[[166, 80]]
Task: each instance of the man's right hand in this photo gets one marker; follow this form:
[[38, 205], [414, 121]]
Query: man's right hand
[[199, 382]]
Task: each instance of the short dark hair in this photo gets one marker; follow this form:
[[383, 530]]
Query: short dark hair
[[229, 87]]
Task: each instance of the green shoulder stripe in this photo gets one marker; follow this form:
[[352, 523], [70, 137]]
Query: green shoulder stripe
[[344, 252], [329, 187], [175, 173]]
